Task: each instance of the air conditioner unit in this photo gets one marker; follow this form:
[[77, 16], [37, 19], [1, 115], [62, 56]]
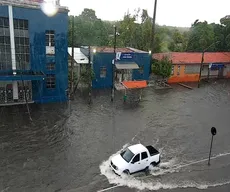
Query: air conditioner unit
[[50, 50]]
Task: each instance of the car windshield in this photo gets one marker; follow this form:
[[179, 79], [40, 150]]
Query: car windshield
[[127, 155]]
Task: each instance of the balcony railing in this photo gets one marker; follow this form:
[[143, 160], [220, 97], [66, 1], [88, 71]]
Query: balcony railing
[[31, 3]]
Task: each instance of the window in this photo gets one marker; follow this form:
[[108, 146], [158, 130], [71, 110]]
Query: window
[[50, 81], [136, 158], [178, 70], [172, 73], [22, 44], [5, 49], [21, 24], [102, 72], [144, 155], [50, 38], [4, 22], [50, 66], [127, 155]]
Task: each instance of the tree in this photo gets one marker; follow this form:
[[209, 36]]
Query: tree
[[163, 67], [226, 31], [88, 14], [201, 36], [87, 76]]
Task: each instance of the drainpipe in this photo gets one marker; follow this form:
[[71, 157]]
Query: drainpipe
[[13, 57]]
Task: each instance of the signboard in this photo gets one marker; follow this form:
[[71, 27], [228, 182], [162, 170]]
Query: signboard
[[123, 56], [215, 66], [129, 57]]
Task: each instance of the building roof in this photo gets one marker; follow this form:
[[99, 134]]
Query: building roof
[[79, 57], [36, 4], [138, 148], [194, 58], [134, 84], [123, 50]]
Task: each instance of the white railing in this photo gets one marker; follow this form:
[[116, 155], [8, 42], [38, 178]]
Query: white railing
[[31, 2]]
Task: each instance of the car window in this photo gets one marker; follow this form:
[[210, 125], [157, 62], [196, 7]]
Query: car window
[[144, 155], [136, 158], [127, 155]]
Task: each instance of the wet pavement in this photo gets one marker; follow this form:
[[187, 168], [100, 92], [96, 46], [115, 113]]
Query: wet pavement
[[64, 147]]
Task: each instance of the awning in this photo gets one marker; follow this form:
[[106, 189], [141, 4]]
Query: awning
[[126, 66], [134, 84], [19, 75]]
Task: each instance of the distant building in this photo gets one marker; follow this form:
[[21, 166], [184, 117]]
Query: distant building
[[130, 65], [33, 53], [186, 66]]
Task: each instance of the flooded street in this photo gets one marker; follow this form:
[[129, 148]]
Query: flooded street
[[67, 146]]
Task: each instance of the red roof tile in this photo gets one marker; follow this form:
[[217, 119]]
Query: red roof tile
[[193, 58]]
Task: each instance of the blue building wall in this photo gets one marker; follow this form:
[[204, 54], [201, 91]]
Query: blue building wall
[[38, 24], [105, 60]]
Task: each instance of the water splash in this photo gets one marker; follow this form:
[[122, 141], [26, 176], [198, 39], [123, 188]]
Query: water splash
[[142, 183]]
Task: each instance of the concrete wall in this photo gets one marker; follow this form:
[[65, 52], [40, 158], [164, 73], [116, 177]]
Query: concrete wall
[[190, 73]]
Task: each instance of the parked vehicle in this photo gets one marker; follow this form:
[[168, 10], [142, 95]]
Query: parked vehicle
[[134, 159]]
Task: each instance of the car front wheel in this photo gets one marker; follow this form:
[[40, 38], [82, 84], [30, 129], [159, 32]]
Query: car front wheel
[[126, 172]]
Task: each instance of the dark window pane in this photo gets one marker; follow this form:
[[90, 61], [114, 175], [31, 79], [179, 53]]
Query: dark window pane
[[2, 40], [27, 42], [26, 25], [6, 22], [20, 24], [136, 158], [144, 155], [15, 23], [1, 22]]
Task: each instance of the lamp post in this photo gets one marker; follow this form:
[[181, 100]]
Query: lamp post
[[72, 59], [153, 27], [202, 61], [113, 65]]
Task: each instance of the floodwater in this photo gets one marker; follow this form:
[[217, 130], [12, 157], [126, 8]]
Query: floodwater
[[67, 146]]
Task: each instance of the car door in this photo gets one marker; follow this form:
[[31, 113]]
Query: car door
[[135, 164], [144, 160]]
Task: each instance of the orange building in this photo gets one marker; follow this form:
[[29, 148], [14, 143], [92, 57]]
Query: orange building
[[186, 66]]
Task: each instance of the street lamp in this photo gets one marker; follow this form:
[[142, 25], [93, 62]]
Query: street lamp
[[113, 64], [94, 51], [153, 26], [202, 61]]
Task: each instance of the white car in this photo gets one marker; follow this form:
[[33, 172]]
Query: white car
[[134, 159]]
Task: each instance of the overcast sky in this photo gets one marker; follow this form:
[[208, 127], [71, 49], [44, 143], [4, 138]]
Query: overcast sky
[[169, 12]]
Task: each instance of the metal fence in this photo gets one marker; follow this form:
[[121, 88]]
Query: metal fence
[[24, 92]]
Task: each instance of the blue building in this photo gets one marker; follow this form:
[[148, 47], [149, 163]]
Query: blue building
[[33, 54], [130, 65]]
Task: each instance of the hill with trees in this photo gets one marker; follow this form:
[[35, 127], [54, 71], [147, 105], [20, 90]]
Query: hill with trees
[[90, 30]]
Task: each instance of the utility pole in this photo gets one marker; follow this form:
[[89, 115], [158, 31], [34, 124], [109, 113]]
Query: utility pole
[[90, 75], [72, 59], [153, 27], [202, 61], [113, 65]]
